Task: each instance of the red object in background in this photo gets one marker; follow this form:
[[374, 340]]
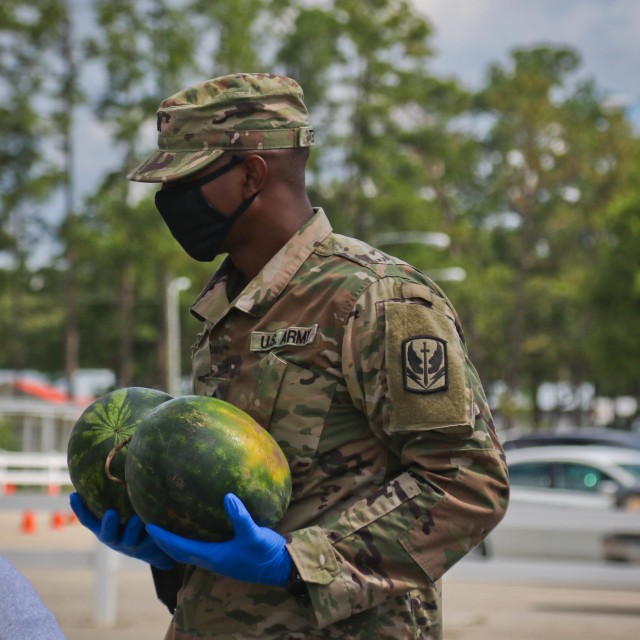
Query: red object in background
[[58, 521], [25, 387], [39, 390], [28, 522]]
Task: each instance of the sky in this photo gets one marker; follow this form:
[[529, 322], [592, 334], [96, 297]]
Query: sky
[[471, 34]]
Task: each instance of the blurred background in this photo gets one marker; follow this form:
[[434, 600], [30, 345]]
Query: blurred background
[[493, 144]]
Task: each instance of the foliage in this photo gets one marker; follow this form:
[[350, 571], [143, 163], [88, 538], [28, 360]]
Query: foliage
[[614, 297], [9, 435], [533, 178], [551, 162]]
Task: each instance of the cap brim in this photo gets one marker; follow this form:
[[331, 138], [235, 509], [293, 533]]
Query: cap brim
[[166, 166]]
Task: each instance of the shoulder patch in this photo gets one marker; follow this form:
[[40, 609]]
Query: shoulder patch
[[426, 371], [424, 364]]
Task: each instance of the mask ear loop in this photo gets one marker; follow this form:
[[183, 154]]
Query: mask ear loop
[[235, 160], [242, 208]]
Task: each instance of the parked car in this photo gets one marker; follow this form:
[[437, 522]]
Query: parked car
[[571, 502], [573, 476], [578, 436]]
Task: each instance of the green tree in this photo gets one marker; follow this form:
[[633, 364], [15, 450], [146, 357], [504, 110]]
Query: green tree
[[383, 120], [146, 48], [231, 35], [534, 179], [35, 129], [150, 50], [612, 341], [552, 160]]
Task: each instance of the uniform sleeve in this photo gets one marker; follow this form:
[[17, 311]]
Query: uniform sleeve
[[407, 369]]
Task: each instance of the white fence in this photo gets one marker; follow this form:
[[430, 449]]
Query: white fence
[[19, 469]]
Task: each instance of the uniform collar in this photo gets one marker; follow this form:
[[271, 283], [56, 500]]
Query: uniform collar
[[267, 286]]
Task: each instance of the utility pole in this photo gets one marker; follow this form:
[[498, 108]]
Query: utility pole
[[174, 373], [68, 101]]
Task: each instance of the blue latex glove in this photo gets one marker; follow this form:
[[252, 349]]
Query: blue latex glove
[[134, 541], [256, 554]]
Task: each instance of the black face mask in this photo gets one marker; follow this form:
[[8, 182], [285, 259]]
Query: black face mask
[[194, 223]]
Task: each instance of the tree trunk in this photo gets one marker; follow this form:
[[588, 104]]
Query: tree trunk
[[516, 331], [72, 334], [127, 301]]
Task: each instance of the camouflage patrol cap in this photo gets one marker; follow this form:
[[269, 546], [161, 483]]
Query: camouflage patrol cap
[[236, 112]]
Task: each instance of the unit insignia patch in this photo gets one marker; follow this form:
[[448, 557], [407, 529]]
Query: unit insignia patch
[[424, 362]]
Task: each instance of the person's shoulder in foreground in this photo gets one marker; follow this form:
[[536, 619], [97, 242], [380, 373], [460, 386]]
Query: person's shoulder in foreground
[[23, 615]]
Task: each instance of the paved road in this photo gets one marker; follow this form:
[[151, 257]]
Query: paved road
[[483, 601], [489, 610], [473, 610]]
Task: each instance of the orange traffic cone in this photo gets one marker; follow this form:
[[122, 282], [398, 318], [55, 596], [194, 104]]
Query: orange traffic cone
[[57, 520], [28, 522]]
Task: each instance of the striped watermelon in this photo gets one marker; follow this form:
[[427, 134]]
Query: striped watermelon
[[189, 452], [104, 427]]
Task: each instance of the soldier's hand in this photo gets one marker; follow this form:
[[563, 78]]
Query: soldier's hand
[[256, 554], [132, 541]]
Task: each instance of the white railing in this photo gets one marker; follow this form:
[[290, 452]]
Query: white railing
[[28, 407], [19, 469]]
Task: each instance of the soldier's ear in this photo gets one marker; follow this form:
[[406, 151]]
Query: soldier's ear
[[256, 172]]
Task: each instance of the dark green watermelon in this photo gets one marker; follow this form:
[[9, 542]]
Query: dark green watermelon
[[104, 425], [189, 452]]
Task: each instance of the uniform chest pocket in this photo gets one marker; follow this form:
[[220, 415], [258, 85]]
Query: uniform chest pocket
[[213, 371], [201, 381], [298, 417]]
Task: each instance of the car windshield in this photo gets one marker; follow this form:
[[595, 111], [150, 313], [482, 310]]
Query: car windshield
[[633, 469]]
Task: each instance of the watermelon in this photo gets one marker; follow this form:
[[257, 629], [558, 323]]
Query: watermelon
[[188, 453], [104, 428]]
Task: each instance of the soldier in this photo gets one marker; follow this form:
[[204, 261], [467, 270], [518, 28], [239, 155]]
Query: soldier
[[353, 360]]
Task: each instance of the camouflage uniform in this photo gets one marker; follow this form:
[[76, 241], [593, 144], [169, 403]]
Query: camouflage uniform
[[356, 364]]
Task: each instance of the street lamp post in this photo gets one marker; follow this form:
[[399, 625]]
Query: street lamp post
[[174, 372]]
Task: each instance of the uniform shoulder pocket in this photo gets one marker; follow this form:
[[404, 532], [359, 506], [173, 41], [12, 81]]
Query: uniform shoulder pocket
[[426, 371]]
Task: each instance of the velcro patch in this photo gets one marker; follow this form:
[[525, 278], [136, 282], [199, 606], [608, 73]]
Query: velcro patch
[[426, 371], [287, 337], [424, 364]]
